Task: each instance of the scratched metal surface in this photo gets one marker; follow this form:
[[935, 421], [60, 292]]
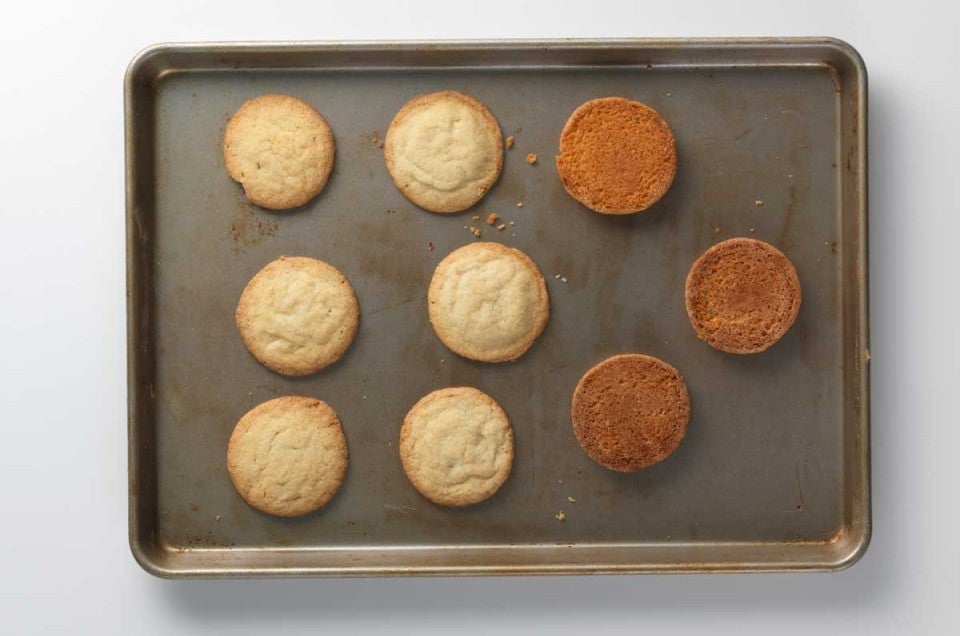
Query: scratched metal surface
[[774, 457]]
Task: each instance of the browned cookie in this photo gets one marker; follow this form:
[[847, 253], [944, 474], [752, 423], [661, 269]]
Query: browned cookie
[[630, 411], [288, 456], [742, 295], [616, 156], [280, 150]]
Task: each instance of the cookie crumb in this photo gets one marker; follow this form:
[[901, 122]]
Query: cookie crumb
[[563, 279], [475, 231], [716, 230], [758, 202], [442, 361], [476, 218], [571, 500], [492, 219], [531, 158], [559, 481], [218, 518], [557, 276], [429, 245], [752, 230], [377, 140], [560, 516], [509, 142], [501, 227], [511, 222], [519, 204]]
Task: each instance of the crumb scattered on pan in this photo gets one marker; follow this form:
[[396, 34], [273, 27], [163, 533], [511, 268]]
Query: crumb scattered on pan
[[752, 230], [560, 516], [716, 230], [559, 481], [501, 227], [563, 279], [492, 219], [758, 202], [429, 245], [571, 500], [474, 231], [509, 142], [790, 176], [218, 518], [511, 222], [442, 360], [377, 140], [531, 158], [476, 217], [519, 204], [363, 397], [669, 94], [557, 276]]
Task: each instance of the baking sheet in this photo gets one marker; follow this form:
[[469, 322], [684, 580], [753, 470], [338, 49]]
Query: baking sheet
[[773, 472]]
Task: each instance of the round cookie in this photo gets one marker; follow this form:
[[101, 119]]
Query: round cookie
[[630, 412], [488, 302], [288, 456], [742, 295], [456, 446], [616, 156], [444, 151], [280, 150], [298, 315]]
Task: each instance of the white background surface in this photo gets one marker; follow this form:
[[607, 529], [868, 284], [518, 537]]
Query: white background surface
[[64, 562]]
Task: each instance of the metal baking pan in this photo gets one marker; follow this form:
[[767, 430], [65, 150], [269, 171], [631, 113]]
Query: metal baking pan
[[774, 471]]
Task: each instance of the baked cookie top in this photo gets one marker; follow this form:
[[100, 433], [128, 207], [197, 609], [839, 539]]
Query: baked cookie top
[[288, 456], [616, 156], [742, 295], [280, 149], [488, 302], [297, 315], [444, 151], [630, 411], [456, 446]]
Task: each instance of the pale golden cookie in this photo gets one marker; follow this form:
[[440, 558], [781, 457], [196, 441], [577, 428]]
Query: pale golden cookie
[[456, 446], [630, 411], [488, 302], [298, 315], [444, 151], [280, 150], [616, 156], [742, 295], [288, 456]]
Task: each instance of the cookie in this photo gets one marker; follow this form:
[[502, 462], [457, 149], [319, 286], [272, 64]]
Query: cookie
[[298, 315], [630, 411], [280, 150], [288, 456], [616, 156], [456, 446], [488, 302], [444, 151], [742, 295]]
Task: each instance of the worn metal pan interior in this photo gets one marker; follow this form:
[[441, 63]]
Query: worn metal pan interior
[[773, 474]]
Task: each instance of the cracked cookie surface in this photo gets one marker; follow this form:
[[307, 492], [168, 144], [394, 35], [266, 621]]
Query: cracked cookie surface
[[456, 446], [488, 302], [298, 315], [288, 456], [444, 151], [280, 149]]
